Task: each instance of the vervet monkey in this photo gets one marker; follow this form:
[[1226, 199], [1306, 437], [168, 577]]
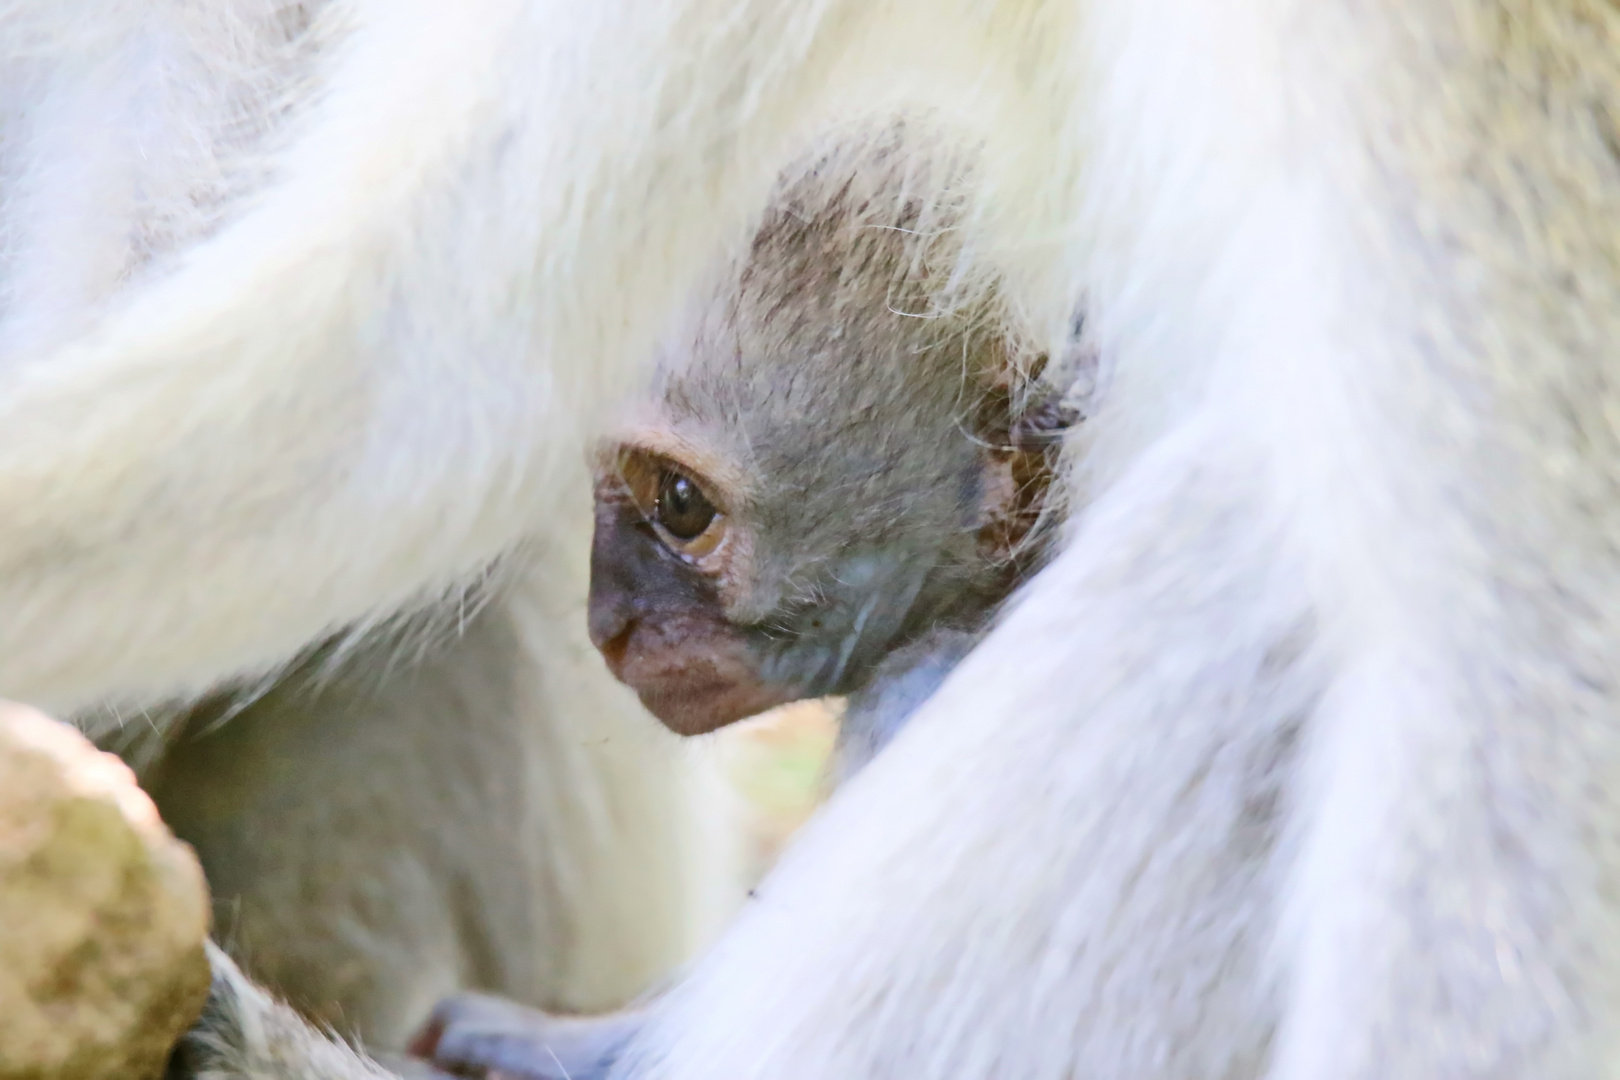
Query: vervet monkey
[[1291, 763], [465, 801], [837, 476]]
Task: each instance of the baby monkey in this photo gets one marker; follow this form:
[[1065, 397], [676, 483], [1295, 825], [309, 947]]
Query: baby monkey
[[834, 485], [837, 479]]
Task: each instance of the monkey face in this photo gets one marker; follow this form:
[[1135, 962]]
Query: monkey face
[[714, 606], [661, 550], [817, 481]]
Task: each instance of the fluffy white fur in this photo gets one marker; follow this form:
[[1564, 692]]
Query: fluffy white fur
[[1294, 764], [500, 816]]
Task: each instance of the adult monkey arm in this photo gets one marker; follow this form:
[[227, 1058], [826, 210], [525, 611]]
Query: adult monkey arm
[[358, 390], [243, 391]]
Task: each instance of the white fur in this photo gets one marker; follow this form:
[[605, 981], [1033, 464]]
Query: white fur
[[152, 157], [1294, 764]]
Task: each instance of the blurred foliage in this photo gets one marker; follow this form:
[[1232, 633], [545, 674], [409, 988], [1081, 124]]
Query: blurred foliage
[[778, 764]]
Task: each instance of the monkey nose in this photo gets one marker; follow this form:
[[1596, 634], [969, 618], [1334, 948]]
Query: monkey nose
[[614, 648], [610, 628]]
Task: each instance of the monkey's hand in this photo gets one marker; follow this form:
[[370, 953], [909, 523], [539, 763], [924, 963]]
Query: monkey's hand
[[482, 1036]]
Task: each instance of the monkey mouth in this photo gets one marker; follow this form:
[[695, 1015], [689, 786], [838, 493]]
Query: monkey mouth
[[695, 707], [692, 689]]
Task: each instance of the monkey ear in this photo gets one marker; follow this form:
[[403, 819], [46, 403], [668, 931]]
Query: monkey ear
[[1024, 437]]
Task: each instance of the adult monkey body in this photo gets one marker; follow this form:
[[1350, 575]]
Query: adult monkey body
[[465, 803], [1291, 764]]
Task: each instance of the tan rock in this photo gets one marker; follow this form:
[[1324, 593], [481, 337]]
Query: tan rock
[[103, 913]]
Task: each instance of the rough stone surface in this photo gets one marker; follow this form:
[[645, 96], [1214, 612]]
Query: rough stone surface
[[103, 914]]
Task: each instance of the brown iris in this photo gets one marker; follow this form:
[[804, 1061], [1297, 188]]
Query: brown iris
[[680, 510], [683, 509]]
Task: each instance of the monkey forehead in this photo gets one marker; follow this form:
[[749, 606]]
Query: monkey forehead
[[822, 460], [821, 395]]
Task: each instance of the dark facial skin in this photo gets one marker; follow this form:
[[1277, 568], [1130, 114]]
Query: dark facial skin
[[659, 623]]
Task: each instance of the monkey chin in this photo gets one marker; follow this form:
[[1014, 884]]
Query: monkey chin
[[695, 692]]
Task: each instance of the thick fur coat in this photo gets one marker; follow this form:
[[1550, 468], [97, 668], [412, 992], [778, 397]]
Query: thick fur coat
[[1294, 763]]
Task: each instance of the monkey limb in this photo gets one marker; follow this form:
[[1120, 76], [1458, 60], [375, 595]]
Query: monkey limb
[[487, 1034]]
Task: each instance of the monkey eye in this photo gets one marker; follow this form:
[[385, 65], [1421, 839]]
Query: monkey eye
[[689, 522], [683, 509], [680, 511]]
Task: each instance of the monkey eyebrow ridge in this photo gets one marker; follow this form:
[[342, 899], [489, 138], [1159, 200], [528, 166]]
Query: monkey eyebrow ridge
[[712, 467]]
